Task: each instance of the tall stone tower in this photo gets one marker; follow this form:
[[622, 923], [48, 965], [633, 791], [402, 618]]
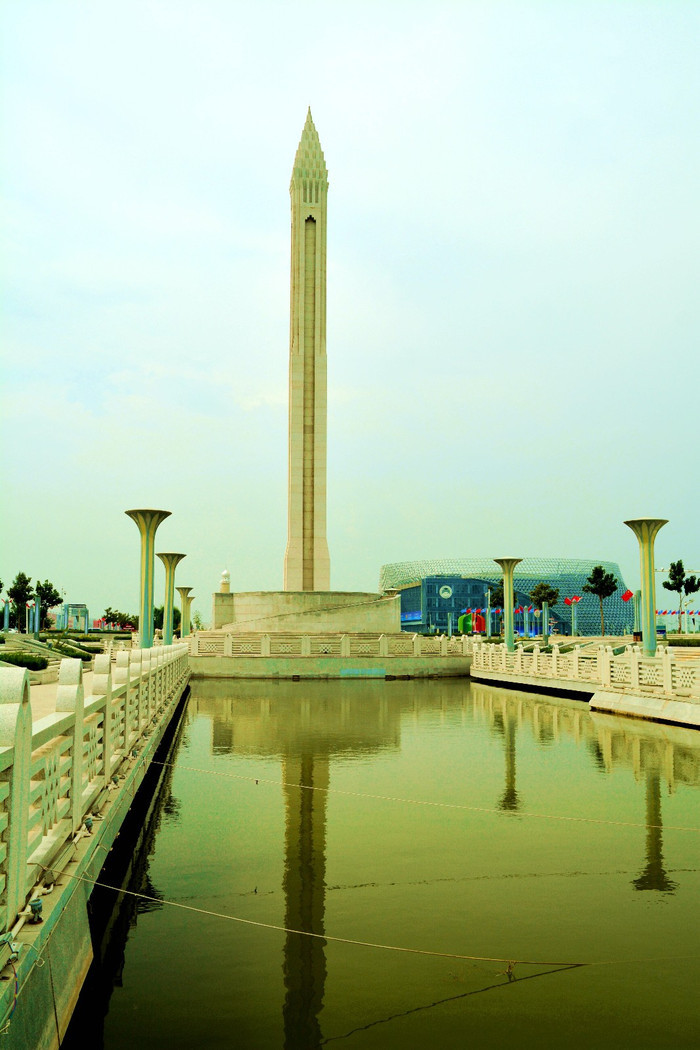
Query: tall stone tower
[[307, 561]]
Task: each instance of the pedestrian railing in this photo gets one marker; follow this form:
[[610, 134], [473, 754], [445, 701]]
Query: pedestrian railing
[[57, 771], [219, 643], [631, 670]]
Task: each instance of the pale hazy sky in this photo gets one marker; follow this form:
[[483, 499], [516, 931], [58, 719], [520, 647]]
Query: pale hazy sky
[[513, 312]]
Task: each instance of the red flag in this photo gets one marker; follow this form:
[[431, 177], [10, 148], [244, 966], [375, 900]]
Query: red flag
[[567, 601], [627, 595]]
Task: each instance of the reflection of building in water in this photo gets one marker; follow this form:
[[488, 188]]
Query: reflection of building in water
[[653, 752], [306, 725], [304, 894]]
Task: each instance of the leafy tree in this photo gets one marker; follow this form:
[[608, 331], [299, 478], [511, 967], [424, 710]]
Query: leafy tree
[[121, 619], [21, 592], [678, 581], [543, 592], [497, 595], [49, 598], [158, 615], [197, 621], [602, 584]]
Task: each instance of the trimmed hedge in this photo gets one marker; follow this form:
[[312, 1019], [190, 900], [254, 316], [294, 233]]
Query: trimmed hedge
[[673, 640], [69, 650], [28, 660]]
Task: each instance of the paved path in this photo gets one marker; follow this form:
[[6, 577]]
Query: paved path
[[43, 697]]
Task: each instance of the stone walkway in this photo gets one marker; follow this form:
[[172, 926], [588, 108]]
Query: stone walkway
[[43, 697]]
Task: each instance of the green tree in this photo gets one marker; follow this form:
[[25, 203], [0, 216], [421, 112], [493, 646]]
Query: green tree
[[497, 595], [49, 598], [602, 584], [20, 593], [543, 592], [684, 585], [158, 614], [197, 621]]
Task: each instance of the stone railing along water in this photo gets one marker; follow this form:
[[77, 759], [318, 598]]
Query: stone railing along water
[[56, 772], [630, 671], [218, 643]]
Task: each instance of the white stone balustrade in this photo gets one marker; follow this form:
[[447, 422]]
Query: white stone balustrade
[[218, 643], [658, 675], [56, 772]]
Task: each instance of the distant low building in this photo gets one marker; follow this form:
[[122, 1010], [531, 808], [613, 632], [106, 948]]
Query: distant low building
[[73, 617], [436, 591]]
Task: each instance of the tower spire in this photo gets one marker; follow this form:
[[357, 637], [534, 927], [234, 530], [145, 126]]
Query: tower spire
[[306, 561], [309, 162]]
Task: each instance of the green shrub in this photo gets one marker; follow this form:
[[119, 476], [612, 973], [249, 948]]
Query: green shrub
[[677, 640], [72, 651], [29, 660], [2, 639]]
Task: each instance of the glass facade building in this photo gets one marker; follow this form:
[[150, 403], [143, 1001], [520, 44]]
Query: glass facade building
[[434, 592]]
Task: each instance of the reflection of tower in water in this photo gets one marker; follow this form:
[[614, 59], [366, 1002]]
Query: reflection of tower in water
[[304, 891], [654, 876]]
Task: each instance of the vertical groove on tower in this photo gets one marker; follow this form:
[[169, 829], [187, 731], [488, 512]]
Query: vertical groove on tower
[[308, 530]]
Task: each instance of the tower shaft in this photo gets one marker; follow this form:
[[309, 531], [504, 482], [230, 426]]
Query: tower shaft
[[307, 561]]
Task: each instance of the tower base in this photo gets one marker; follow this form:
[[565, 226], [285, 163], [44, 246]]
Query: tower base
[[312, 612]]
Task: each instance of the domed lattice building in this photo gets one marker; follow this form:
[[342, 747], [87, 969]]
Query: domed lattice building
[[435, 591]]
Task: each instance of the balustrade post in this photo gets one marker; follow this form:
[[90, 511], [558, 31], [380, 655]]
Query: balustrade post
[[70, 697], [305, 645], [518, 659], [148, 657], [102, 687], [228, 645], [555, 661], [605, 665], [667, 659], [140, 696], [383, 645], [443, 645], [265, 645], [15, 732], [536, 659], [576, 661], [634, 667], [122, 677]]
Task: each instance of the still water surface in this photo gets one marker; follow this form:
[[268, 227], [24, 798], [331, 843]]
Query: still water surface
[[434, 815]]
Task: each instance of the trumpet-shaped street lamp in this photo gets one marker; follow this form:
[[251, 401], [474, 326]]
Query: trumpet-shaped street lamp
[[185, 603], [170, 561], [147, 522], [646, 531], [508, 565]]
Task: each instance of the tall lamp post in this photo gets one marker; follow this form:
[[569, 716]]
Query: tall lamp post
[[170, 561], [508, 565], [185, 603], [147, 522], [646, 531]]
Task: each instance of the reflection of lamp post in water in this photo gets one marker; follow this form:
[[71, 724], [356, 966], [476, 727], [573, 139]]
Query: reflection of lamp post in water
[[654, 876], [505, 723]]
